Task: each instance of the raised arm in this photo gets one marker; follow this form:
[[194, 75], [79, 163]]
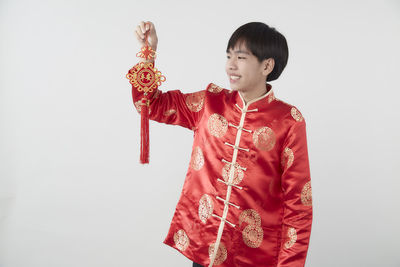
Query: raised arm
[[296, 186], [171, 107]]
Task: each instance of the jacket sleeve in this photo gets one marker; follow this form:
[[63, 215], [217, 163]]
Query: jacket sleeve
[[172, 107], [296, 186]]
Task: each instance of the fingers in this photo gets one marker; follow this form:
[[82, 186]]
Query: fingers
[[149, 25], [140, 29], [139, 32], [142, 26], [145, 27], [139, 37]]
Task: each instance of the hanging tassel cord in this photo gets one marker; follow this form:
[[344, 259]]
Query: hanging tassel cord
[[145, 77]]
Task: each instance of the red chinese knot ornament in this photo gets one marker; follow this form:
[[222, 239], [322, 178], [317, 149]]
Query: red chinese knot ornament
[[145, 78]]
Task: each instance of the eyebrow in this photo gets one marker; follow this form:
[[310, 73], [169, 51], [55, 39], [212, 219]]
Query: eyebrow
[[239, 52]]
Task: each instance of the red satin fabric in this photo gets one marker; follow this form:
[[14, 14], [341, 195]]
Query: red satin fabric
[[249, 161]]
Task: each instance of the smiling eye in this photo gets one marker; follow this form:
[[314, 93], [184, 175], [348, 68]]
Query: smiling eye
[[241, 57]]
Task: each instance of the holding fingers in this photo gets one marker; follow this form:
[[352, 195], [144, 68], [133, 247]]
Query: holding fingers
[[146, 28]]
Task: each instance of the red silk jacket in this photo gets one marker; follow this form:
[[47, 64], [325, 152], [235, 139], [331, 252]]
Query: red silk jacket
[[246, 199]]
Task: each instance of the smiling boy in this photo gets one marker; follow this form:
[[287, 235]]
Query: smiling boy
[[245, 73], [246, 199]]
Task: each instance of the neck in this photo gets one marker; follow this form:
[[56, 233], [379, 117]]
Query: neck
[[253, 94]]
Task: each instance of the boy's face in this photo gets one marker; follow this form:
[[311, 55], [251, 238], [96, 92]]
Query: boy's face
[[244, 71]]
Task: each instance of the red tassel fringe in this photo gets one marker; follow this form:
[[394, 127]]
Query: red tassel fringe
[[144, 132]]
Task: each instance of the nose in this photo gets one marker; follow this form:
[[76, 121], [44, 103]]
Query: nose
[[231, 63]]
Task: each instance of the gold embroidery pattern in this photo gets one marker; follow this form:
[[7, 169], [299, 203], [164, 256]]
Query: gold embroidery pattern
[[138, 107], [169, 112], [181, 240], [214, 88], [306, 194], [296, 114], [206, 207], [271, 97], [250, 216], [252, 236], [221, 253], [237, 173], [287, 158], [253, 233], [195, 101], [197, 159], [292, 236], [264, 138], [217, 125]]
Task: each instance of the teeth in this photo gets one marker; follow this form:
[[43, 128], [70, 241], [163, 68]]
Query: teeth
[[235, 77]]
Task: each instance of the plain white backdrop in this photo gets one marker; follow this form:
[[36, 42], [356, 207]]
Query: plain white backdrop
[[72, 191]]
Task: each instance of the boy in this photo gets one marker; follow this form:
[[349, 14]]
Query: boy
[[246, 200]]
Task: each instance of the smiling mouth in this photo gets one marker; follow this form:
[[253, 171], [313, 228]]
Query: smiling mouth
[[233, 78]]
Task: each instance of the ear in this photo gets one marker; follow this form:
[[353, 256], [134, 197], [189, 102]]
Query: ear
[[268, 65]]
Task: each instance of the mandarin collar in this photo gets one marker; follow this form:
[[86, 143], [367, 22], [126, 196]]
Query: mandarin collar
[[258, 102]]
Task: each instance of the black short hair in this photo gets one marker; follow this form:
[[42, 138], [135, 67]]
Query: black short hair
[[264, 42]]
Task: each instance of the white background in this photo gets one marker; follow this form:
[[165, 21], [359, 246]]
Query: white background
[[72, 191]]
